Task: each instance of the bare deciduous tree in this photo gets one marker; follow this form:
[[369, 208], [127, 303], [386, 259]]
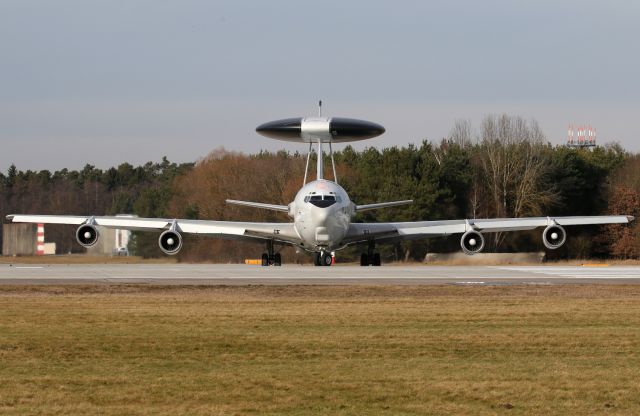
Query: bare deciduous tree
[[510, 162], [462, 133]]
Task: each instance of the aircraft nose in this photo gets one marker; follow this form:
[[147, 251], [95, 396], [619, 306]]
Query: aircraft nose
[[322, 217]]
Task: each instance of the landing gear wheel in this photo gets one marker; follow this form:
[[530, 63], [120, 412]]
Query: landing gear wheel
[[370, 258], [326, 259], [376, 260], [316, 259], [271, 258]]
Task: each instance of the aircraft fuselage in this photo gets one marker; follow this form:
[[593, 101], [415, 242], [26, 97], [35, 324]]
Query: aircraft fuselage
[[322, 213]]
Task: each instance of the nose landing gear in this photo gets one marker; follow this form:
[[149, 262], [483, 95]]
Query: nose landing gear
[[323, 259]]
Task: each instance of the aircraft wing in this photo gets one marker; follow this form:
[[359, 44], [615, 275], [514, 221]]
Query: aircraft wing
[[282, 232], [394, 231]]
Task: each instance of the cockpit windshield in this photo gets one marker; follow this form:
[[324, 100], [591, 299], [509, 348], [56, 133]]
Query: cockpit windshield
[[321, 201]]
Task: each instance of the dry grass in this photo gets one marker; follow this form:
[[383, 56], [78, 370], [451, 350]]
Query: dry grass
[[126, 349]]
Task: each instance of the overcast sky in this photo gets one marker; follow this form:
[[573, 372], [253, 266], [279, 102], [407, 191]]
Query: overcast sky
[[104, 82]]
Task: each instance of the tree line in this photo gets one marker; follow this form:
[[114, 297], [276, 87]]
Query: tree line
[[503, 168], [142, 189]]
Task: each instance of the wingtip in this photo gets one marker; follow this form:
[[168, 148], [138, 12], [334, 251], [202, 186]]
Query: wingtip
[[10, 217], [630, 218]]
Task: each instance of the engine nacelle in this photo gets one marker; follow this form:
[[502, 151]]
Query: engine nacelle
[[472, 242], [170, 242], [554, 236], [87, 235]]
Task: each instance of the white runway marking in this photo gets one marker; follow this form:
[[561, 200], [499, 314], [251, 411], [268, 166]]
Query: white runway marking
[[580, 272]]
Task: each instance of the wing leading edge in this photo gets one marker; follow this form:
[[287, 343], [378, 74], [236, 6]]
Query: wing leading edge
[[282, 232], [424, 229]]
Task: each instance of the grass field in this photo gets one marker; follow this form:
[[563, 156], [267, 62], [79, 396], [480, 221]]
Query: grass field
[[138, 350]]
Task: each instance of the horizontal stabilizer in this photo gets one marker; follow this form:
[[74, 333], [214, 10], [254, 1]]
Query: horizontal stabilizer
[[272, 207], [383, 205]]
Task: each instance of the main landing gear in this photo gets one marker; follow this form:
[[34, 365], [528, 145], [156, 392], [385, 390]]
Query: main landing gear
[[370, 258], [271, 258], [323, 259]]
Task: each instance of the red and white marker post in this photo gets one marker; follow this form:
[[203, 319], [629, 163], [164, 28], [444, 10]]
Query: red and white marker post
[[40, 240]]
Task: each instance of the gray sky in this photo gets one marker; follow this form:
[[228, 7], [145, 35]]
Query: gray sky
[[104, 82]]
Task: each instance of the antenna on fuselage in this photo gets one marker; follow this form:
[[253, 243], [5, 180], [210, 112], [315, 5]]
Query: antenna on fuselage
[[320, 153], [306, 168], [320, 130], [320, 162], [333, 163], [320, 169]]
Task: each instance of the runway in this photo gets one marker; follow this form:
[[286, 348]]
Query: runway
[[225, 274]]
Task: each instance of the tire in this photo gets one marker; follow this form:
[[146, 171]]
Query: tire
[[277, 259], [376, 259], [326, 259], [364, 259], [316, 259], [265, 259]]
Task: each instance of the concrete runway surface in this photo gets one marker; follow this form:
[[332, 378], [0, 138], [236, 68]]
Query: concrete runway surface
[[236, 274]]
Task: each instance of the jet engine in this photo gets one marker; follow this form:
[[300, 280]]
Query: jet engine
[[87, 235], [554, 236], [472, 242], [170, 242]]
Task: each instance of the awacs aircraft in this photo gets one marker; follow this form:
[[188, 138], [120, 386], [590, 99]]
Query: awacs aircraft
[[321, 211]]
